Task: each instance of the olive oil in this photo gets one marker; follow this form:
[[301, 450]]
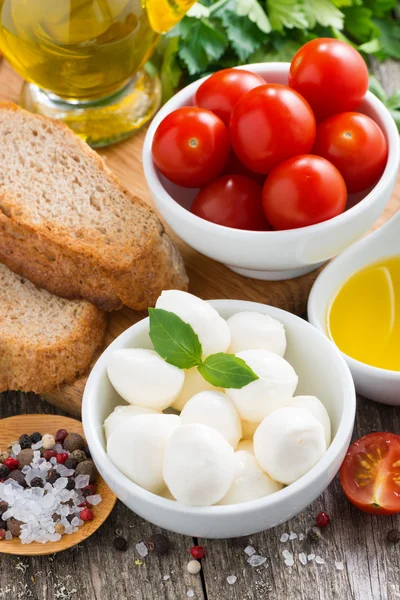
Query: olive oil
[[364, 318]]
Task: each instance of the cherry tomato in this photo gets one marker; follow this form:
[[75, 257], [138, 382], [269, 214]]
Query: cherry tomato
[[370, 473], [269, 124], [233, 201], [331, 75], [191, 146], [355, 144], [302, 191], [220, 92], [235, 167]]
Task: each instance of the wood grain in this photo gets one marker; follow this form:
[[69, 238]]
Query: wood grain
[[10, 430], [208, 279]]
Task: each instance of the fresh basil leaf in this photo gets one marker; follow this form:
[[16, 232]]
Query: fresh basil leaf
[[226, 371], [173, 339]]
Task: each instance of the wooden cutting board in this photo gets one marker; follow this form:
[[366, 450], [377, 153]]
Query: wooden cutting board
[[208, 279]]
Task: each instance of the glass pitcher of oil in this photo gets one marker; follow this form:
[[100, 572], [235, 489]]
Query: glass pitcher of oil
[[83, 59]]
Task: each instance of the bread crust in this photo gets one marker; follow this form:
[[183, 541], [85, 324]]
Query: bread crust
[[73, 268]]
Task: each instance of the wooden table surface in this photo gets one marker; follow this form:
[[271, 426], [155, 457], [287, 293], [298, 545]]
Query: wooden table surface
[[358, 562]]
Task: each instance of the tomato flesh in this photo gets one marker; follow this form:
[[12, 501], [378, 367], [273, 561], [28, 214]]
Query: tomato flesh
[[191, 146], [370, 473]]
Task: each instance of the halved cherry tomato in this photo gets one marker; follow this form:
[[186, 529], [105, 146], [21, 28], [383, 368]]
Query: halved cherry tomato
[[233, 201], [220, 92], [191, 146], [234, 166], [331, 75], [355, 144], [370, 473], [302, 191], [269, 124]]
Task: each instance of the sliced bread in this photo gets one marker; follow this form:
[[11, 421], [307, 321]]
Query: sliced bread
[[45, 340], [69, 226]]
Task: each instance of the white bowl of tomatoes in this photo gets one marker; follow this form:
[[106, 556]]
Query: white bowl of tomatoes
[[273, 180]]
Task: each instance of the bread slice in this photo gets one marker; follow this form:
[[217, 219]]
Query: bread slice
[[68, 225], [45, 341]]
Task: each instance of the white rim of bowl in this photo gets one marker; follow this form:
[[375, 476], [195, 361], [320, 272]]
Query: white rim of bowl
[[344, 432], [208, 227]]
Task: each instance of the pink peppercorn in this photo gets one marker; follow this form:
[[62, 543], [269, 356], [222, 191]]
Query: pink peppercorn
[[48, 454], [198, 552], [322, 519], [62, 457], [11, 463], [86, 514], [61, 435]]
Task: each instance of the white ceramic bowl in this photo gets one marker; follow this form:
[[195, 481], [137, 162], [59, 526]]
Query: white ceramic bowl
[[271, 254], [322, 372]]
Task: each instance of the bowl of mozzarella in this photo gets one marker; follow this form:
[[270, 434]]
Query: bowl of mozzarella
[[212, 462]]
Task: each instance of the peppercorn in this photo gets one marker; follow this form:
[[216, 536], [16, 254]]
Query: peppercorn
[[86, 514], [4, 456], [314, 534], [19, 477], [158, 543], [25, 441], [120, 544], [61, 435], [48, 454], [2, 534], [73, 441], [14, 526], [194, 567], [78, 455], [4, 471], [322, 519], [198, 552], [87, 451], [3, 507], [88, 490], [61, 457], [25, 457], [36, 437], [393, 536], [70, 485], [48, 441], [59, 528], [52, 476], [11, 463], [87, 467], [37, 482], [70, 463]]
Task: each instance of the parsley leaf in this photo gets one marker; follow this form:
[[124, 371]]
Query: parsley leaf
[[323, 12], [202, 42], [253, 10], [287, 13]]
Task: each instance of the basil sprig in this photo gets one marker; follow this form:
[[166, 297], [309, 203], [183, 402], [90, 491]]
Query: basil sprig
[[177, 342]]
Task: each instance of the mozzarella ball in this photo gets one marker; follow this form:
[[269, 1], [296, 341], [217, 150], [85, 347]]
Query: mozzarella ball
[[318, 410], [288, 443], [142, 377], [193, 384], [274, 388], [137, 448], [249, 481], [198, 465], [212, 330], [256, 331], [215, 410], [120, 415], [248, 429]]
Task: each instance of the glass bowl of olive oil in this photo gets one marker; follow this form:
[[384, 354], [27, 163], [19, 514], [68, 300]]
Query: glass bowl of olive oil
[[83, 60]]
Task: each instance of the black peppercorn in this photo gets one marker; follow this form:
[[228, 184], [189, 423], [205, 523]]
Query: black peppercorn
[[52, 476], [71, 484], [314, 534], [36, 437], [4, 471], [3, 524], [393, 536], [71, 463], [37, 482], [3, 507], [158, 543], [120, 544], [25, 441], [73, 441]]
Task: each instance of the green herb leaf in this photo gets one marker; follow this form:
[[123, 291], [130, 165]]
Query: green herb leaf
[[287, 13], [245, 37], [323, 12], [226, 371], [202, 42], [253, 10], [359, 23], [389, 37], [376, 88], [173, 339]]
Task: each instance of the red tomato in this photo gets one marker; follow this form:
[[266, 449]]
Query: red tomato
[[370, 473], [355, 144], [191, 146], [233, 201], [269, 124], [330, 74], [302, 191], [220, 92], [235, 167]]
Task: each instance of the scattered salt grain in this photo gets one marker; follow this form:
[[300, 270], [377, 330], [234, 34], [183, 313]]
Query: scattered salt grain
[[38, 445], [141, 549], [60, 483], [339, 566], [303, 558], [166, 577], [289, 562], [287, 554], [301, 537], [249, 550], [284, 537], [8, 535], [256, 561], [311, 557], [319, 560], [231, 579], [190, 593], [292, 536], [16, 449], [81, 481], [94, 500]]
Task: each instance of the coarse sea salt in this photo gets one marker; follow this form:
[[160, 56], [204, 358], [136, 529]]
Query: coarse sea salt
[[249, 550], [292, 536], [311, 557], [231, 579], [38, 445], [142, 549], [94, 500], [166, 577], [287, 554], [16, 449], [284, 537], [301, 537], [256, 561], [190, 593], [289, 562], [339, 565], [319, 560], [303, 558]]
